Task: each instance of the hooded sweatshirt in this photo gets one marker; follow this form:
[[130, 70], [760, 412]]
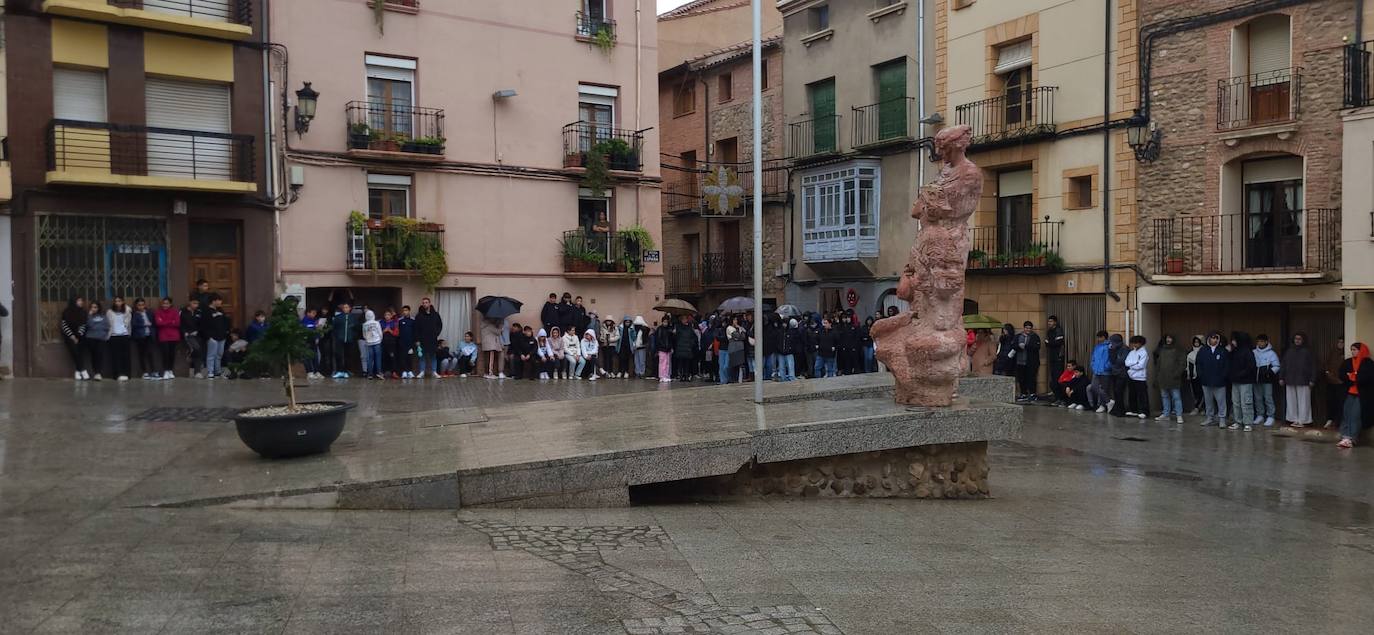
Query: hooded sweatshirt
[[73, 322], [1137, 364], [1299, 365], [572, 348], [1214, 364], [555, 342], [372, 329], [1102, 358], [468, 350], [1266, 363], [1169, 365], [98, 327], [1118, 352], [541, 346], [1357, 377], [1242, 359], [589, 344], [641, 333]]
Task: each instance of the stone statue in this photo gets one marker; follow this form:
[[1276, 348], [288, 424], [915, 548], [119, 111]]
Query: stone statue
[[924, 347]]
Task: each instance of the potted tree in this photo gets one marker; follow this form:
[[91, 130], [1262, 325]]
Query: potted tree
[[294, 428], [1174, 262]]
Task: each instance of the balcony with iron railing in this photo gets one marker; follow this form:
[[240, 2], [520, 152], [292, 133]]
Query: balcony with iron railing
[[813, 138], [1358, 66], [727, 269], [1303, 242], [1259, 99], [619, 149], [883, 123], [1021, 115], [682, 280], [597, 254], [593, 27], [1029, 247], [135, 156], [393, 131], [720, 189], [224, 19], [391, 244]]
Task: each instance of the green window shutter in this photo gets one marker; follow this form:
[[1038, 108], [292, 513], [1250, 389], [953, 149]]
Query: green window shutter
[[892, 109], [823, 111]]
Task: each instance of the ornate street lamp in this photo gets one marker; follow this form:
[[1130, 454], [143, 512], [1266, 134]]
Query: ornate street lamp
[[1143, 137], [306, 100]]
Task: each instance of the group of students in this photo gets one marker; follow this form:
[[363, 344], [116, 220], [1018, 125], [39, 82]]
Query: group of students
[[107, 341], [1247, 376]]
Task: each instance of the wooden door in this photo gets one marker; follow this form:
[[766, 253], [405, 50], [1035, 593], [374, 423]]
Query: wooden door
[[223, 276]]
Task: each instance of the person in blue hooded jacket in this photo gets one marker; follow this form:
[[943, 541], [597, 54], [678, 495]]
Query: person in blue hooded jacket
[[1213, 366], [1101, 391]]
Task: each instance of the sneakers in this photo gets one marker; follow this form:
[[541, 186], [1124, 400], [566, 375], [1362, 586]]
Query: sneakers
[[1249, 428], [1111, 404], [1101, 409], [1268, 422], [1208, 422], [200, 375], [1258, 420], [543, 375], [1297, 426], [489, 376], [1179, 419], [122, 378], [435, 375], [1163, 417], [502, 376], [1079, 407], [592, 378], [77, 376], [1130, 414], [1234, 426], [1346, 443], [1141, 415]]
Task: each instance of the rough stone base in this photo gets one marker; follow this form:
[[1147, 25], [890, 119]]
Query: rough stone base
[[953, 470]]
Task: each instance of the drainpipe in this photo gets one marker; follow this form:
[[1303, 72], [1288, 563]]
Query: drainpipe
[[271, 154], [1359, 21], [1107, 158], [639, 52], [920, 85]]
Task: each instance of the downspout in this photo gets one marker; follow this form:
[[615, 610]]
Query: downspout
[[271, 155], [1107, 158], [920, 85], [639, 52], [1359, 21]]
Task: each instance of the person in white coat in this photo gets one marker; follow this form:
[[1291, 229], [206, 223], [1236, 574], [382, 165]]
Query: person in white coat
[[1137, 369], [588, 349], [572, 353], [372, 345]]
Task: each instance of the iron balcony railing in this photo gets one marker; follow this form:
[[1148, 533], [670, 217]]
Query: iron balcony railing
[[683, 280], [589, 26], [235, 11], [728, 269], [587, 251], [1284, 241], [144, 151], [621, 149], [1018, 116], [720, 189], [817, 136], [1032, 245], [1258, 99], [391, 127], [1359, 74], [884, 122], [386, 244]]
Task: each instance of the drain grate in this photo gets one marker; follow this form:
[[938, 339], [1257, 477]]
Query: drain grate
[[1137, 439], [196, 415]]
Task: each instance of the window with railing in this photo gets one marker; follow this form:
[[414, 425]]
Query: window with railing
[[593, 20], [86, 147], [1358, 65], [392, 127], [840, 212], [1276, 239], [1015, 243], [235, 11], [620, 148], [1258, 99]]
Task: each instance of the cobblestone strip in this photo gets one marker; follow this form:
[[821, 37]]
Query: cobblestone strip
[[578, 549]]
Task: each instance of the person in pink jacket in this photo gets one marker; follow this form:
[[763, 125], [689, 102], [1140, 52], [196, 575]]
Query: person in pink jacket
[[168, 321]]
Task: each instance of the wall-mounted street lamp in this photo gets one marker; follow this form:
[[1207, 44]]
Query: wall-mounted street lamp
[[505, 93], [1143, 137], [306, 100]]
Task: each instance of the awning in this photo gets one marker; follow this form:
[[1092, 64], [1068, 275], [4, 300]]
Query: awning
[[1012, 57]]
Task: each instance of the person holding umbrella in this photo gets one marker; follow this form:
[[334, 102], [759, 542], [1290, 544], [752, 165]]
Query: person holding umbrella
[[495, 309]]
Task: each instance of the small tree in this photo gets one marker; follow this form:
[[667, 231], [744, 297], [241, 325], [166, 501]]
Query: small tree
[[285, 341]]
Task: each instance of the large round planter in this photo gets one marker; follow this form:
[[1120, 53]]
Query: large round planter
[[293, 435]]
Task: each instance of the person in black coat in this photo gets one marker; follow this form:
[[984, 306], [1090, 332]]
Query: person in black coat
[[848, 340], [1242, 374], [793, 353], [1006, 352], [428, 325], [827, 347], [566, 312], [1028, 361], [685, 345], [548, 316], [772, 346]]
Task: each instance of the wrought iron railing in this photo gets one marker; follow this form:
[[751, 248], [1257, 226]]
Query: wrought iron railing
[[1359, 74], [1258, 99], [144, 151], [727, 269], [601, 252], [884, 122], [1286, 241], [1020, 115], [813, 137], [589, 26], [622, 149], [390, 127], [235, 11], [682, 193], [683, 280], [1016, 246], [720, 189], [391, 245]]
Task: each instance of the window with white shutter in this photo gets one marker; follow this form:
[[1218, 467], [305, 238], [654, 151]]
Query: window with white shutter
[[176, 112], [215, 10], [78, 95]]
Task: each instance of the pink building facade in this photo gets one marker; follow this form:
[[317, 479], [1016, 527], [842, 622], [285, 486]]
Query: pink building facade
[[519, 141]]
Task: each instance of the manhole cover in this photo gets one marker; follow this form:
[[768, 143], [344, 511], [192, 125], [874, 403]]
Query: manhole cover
[[198, 415]]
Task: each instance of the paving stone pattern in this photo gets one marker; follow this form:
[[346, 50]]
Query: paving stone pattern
[[578, 549], [201, 415]]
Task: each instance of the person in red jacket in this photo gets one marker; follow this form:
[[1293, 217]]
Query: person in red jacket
[[167, 319], [1061, 398]]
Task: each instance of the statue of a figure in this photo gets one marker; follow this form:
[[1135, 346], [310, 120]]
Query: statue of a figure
[[924, 347]]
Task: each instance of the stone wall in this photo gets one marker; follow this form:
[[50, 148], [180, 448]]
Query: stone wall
[[954, 470]]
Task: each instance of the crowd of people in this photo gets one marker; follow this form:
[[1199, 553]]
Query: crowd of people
[[1236, 382]]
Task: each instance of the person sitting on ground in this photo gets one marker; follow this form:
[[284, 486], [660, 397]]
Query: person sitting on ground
[[572, 351], [543, 348], [554, 341], [1076, 389], [589, 355], [257, 328], [467, 356], [234, 353], [444, 360], [1061, 396]]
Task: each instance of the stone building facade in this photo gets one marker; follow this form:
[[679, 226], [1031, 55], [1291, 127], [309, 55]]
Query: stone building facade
[[706, 123], [1240, 218]]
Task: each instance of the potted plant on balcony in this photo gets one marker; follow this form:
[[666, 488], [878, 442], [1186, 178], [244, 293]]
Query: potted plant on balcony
[[1035, 255], [1174, 262], [294, 428], [619, 154], [1054, 261], [636, 241], [977, 259], [359, 136], [604, 39], [425, 145], [577, 258], [384, 142]]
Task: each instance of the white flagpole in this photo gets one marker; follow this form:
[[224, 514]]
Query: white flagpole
[[758, 207]]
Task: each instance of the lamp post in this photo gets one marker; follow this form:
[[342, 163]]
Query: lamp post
[[306, 100], [1143, 137]]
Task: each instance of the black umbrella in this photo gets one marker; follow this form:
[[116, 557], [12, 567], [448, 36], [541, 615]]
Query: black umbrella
[[497, 307]]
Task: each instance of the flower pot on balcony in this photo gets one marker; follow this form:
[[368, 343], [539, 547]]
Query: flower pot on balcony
[[1173, 265], [384, 145], [357, 141], [413, 147]]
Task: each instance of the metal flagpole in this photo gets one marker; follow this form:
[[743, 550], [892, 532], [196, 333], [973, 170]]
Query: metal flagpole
[[758, 207]]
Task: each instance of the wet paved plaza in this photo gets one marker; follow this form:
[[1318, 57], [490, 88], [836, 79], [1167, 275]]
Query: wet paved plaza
[[1097, 525]]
